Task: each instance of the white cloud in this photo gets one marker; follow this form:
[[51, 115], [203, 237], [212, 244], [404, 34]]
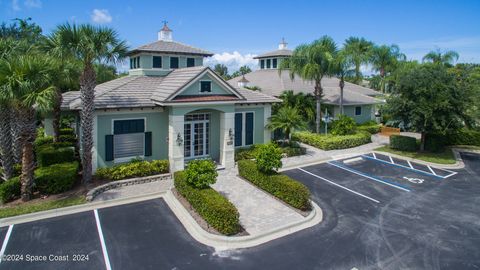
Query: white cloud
[[33, 3], [101, 16], [15, 5], [233, 61]]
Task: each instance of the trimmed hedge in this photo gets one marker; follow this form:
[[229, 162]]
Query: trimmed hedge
[[56, 178], [67, 131], [136, 168], [403, 143], [281, 186], [464, 137], [331, 142], [215, 209], [10, 189], [435, 142], [54, 154], [40, 141], [245, 153], [371, 127]]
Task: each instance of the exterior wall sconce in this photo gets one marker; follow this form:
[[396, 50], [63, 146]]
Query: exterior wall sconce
[[230, 134], [179, 139]]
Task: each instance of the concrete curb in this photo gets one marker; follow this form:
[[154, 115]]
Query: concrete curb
[[220, 242], [77, 209], [458, 163]]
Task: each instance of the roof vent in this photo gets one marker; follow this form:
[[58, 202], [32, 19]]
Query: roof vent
[[165, 34], [282, 45]]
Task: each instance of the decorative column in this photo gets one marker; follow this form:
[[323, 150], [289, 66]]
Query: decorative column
[[227, 146], [176, 142], [267, 112]]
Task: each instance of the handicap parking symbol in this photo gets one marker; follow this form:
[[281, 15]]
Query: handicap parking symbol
[[414, 180]]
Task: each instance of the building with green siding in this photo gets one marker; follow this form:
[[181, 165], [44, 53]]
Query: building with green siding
[[172, 107], [360, 102]]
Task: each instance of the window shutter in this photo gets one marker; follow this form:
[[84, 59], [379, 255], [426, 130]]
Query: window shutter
[[238, 129], [148, 144], [248, 128], [108, 147]]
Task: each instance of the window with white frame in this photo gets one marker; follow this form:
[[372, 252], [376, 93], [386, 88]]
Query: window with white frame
[[157, 62], [244, 123], [129, 138]]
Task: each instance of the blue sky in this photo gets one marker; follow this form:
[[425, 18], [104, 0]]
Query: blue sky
[[236, 31]]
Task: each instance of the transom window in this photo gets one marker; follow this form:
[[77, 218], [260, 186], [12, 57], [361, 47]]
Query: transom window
[[205, 86], [190, 62], [173, 62], [157, 62]]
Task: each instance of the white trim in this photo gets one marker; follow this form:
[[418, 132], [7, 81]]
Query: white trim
[[5, 242], [340, 186], [126, 159], [95, 144], [154, 109], [244, 118], [200, 86], [192, 123], [102, 241]]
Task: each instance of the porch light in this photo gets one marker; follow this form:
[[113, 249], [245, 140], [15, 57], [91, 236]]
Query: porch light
[[179, 139], [230, 134]]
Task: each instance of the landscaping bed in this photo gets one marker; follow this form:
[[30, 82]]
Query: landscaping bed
[[444, 157], [31, 207], [132, 169], [281, 186], [289, 149], [332, 142]]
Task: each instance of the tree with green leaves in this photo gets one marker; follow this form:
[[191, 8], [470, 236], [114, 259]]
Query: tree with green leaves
[[89, 44], [304, 103], [342, 66], [357, 51], [428, 100], [286, 119], [384, 60], [26, 82], [312, 62], [222, 71], [437, 57]]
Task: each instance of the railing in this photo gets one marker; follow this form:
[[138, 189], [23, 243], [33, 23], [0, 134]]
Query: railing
[[388, 131]]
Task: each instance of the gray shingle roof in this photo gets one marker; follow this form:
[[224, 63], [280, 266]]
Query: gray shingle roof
[[284, 52], [174, 47], [147, 91], [272, 83]]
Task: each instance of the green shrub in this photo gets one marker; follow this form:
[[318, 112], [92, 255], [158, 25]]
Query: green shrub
[[435, 142], [40, 141], [464, 137], [245, 153], [403, 143], [293, 151], [56, 178], [67, 131], [17, 170], [344, 125], [331, 142], [68, 139], [50, 154], [268, 157], [281, 186], [370, 126], [215, 209], [201, 173], [10, 189], [133, 169]]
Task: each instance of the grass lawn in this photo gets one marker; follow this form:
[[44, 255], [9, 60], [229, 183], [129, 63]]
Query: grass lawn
[[445, 157], [40, 206]]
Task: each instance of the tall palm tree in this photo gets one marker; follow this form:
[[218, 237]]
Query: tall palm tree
[[311, 62], [437, 57], [89, 44], [342, 66], [304, 103], [358, 51], [26, 81], [384, 59], [286, 119], [221, 70], [6, 140]]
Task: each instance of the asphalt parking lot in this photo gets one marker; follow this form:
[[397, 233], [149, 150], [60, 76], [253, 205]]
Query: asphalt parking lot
[[379, 213]]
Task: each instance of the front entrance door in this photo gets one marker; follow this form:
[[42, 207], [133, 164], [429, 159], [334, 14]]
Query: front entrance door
[[196, 134]]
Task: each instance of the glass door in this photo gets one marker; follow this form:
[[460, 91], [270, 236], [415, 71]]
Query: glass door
[[196, 136]]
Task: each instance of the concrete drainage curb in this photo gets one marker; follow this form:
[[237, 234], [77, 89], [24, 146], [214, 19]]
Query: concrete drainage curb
[[127, 182], [220, 242]]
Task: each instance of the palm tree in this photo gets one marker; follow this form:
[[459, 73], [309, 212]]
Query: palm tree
[[304, 103], [358, 51], [26, 83], [384, 59], [6, 140], [89, 44], [287, 119], [341, 67], [221, 70], [311, 62], [437, 57]]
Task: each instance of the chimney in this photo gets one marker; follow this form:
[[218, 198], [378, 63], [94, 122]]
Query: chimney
[[165, 34]]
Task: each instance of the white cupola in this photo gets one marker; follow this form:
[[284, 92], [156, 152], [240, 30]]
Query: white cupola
[[165, 33], [243, 82], [282, 45]]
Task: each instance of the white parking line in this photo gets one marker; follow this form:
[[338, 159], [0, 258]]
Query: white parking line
[[374, 156], [102, 241], [410, 164], [5, 242], [391, 159], [340, 186], [431, 170]]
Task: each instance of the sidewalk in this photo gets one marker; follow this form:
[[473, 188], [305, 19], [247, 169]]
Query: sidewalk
[[135, 190], [259, 211]]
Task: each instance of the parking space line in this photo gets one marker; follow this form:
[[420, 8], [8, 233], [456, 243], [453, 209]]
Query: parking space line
[[102, 241], [431, 170], [370, 177], [340, 186], [410, 164], [5, 241], [374, 156], [391, 160], [411, 167]]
